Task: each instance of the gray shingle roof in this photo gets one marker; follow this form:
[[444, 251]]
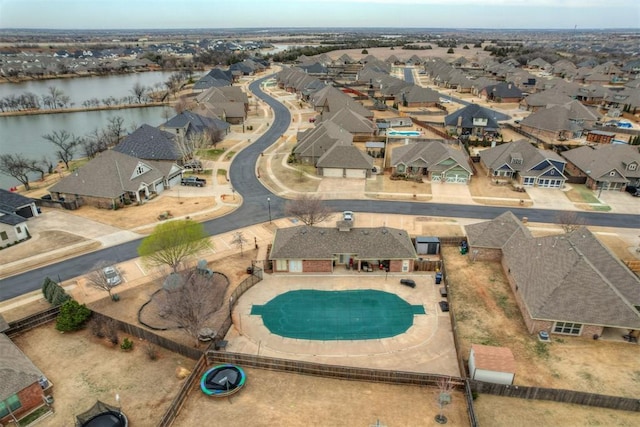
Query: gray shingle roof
[[573, 278], [345, 156], [599, 161], [429, 154], [16, 370], [531, 156], [150, 143], [196, 123], [470, 112], [110, 175], [13, 201], [304, 242], [351, 121], [495, 233]]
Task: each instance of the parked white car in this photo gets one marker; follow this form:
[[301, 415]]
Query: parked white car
[[347, 216], [112, 276]]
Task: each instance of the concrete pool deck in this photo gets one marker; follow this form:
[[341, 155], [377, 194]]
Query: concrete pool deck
[[426, 347]]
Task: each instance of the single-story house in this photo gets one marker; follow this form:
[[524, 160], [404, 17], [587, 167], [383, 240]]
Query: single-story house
[[113, 179], [188, 124], [524, 163], [568, 284], [22, 386], [306, 249], [472, 120], [344, 161], [313, 143], [14, 211], [486, 238], [151, 143], [435, 160], [492, 364], [502, 92], [606, 167]]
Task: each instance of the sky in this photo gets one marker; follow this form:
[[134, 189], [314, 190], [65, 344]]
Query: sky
[[178, 14]]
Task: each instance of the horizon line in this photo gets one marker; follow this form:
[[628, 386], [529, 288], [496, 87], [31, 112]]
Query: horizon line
[[325, 28]]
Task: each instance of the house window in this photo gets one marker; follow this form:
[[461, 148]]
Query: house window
[[12, 403], [567, 328], [281, 265], [401, 168], [612, 173], [3, 235], [632, 167], [18, 229], [139, 170]]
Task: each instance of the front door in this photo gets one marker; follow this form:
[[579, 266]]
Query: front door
[[295, 266]]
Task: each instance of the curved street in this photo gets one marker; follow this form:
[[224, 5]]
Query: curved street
[[258, 201]]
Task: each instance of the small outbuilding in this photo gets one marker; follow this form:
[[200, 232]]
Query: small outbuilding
[[426, 245], [492, 364]]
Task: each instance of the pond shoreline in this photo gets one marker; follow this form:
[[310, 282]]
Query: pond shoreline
[[83, 109]]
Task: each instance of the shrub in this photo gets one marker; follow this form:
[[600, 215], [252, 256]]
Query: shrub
[[96, 325], [151, 351], [72, 316], [111, 331], [60, 296], [127, 344], [48, 288]]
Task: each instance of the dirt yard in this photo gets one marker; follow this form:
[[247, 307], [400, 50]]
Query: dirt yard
[[274, 398], [486, 313], [84, 369]]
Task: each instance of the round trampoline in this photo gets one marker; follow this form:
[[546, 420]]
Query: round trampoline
[[337, 315], [222, 380], [102, 415]]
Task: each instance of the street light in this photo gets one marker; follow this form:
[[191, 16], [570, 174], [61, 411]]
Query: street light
[[269, 203]]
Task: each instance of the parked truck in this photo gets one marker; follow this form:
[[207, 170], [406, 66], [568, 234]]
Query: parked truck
[[193, 181]]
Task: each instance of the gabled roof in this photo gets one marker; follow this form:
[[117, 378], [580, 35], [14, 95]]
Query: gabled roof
[[470, 112], [305, 242], [195, 123], [333, 100], [429, 154], [314, 68], [350, 121], [208, 81], [504, 90], [496, 233], [547, 98], [316, 141], [496, 157], [497, 359], [13, 201], [345, 156], [9, 218], [110, 174], [562, 117], [415, 93], [16, 369], [150, 143], [220, 74], [223, 94], [573, 278], [600, 160]]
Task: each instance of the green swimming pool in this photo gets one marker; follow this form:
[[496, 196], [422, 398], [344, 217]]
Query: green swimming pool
[[337, 315]]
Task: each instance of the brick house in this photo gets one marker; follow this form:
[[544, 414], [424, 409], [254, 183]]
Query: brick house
[[306, 249], [20, 388], [567, 284]]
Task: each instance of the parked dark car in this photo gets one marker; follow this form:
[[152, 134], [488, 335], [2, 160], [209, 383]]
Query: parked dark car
[[634, 191], [444, 306], [408, 282], [193, 181]]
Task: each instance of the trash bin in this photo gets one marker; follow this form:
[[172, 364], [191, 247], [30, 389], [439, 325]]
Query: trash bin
[[249, 270], [438, 277]]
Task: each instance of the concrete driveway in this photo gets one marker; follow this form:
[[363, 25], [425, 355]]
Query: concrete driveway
[[621, 202], [550, 198]]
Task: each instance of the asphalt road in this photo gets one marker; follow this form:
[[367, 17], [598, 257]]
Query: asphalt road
[[259, 203]]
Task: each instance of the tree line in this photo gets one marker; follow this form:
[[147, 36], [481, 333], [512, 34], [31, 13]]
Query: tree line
[[67, 145]]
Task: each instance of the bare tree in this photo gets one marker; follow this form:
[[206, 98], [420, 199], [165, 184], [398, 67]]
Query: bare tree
[[309, 209], [115, 129], [139, 91], [16, 166], [239, 241], [104, 277], [445, 387], [193, 304], [570, 221], [66, 144]]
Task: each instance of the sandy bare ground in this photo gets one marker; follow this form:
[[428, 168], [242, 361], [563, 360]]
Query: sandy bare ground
[[487, 314], [84, 369], [275, 398]]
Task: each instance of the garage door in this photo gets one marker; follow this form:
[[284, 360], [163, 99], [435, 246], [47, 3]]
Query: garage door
[[174, 181], [456, 179], [356, 173], [332, 172], [436, 178], [160, 187], [25, 212], [295, 266]]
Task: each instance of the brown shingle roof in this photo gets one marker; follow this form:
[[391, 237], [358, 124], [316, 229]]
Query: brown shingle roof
[[495, 233], [497, 359], [17, 371]]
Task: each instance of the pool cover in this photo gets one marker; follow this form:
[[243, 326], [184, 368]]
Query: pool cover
[[337, 315]]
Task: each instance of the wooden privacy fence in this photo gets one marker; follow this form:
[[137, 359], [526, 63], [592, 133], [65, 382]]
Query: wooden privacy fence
[[178, 401], [558, 395], [33, 321], [634, 265], [138, 332], [331, 371]]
